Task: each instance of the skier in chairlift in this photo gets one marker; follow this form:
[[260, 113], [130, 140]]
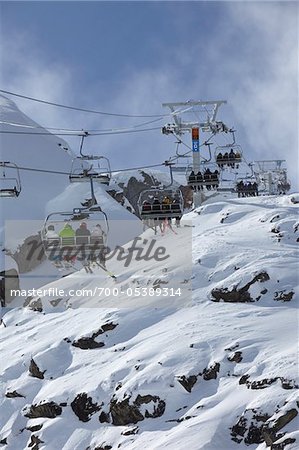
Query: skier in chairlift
[[82, 234]]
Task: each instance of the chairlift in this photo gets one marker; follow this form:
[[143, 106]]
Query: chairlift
[[86, 166], [81, 171], [207, 177], [229, 155], [78, 234], [63, 244], [10, 181], [160, 204], [246, 186]]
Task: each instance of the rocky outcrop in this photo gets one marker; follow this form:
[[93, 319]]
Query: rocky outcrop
[[34, 442], [30, 254], [89, 342], [84, 407], [255, 427], [210, 373], [238, 295], [14, 394], [49, 410], [134, 187], [33, 304], [187, 382], [235, 357], [266, 382], [104, 417], [35, 371], [283, 296], [124, 413]]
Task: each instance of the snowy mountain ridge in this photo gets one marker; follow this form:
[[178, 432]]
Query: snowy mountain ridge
[[214, 370]]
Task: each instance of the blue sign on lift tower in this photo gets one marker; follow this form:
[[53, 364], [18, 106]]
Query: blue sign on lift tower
[[195, 139]]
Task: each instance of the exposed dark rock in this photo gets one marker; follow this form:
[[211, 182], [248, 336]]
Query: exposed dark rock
[[124, 413], [56, 301], [35, 371], [3, 441], [282, 445], [34, 305], [134, 187], [236, 357], [275, 230], [108, 326], [34, 428], [30, 254], [104, 417], [130, 431], [187, 382], [284, 419], [261, 384], [240, 295], [210, 373], [83, 407], [103, 447], [13, 394], [288, 384], [87, 343], [243, 379], [238, 430], [34, 443], [266, 382], [159, 405], [49, 410], [254, 435], [283, 296], [249, 427], [254, 427]]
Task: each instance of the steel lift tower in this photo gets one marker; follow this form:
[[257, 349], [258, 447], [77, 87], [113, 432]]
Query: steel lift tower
[[198, 116]]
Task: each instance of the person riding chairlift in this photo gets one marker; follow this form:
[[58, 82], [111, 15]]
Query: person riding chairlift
[[146, 206], [166, 202], [82, 234]]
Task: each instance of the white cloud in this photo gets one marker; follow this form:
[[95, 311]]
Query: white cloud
[[251, 61]]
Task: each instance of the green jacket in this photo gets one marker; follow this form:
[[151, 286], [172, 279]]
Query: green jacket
[[67, 232]]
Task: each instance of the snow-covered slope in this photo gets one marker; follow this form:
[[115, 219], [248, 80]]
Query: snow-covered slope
[[33, 151], [214, 369]]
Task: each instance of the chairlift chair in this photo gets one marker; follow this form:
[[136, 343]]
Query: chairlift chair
[[82, 172], [209, 181], [151, 205], [10, 182], [62, 247], [222, 162]]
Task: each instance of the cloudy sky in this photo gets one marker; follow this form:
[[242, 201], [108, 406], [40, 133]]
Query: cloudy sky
[[130, 57]]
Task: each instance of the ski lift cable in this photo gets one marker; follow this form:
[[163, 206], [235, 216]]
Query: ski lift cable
[[159, 116], [104, 133], [56, 172], [81, 109], [38, 127]]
